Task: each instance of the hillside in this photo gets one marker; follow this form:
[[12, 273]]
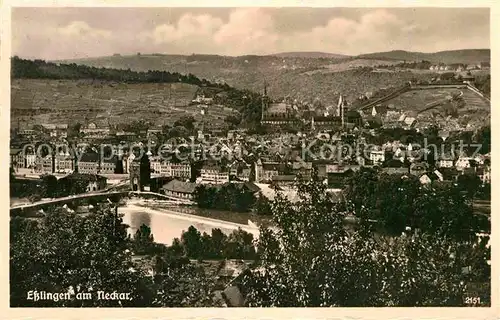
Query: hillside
[[448, 57], [302, 78], [309, 55], [46, 93], [102, 102]]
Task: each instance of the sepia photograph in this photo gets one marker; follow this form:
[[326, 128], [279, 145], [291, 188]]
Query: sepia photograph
[[250, 157]]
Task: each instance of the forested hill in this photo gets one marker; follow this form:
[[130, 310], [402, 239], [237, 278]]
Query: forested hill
[[40, 69], [247, 102], [451, 56]]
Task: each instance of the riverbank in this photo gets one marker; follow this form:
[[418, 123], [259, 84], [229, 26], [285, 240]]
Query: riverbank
[[167, 224]]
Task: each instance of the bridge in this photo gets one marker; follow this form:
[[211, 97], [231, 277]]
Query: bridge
[[97, 195]]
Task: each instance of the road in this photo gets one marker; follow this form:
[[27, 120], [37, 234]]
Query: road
[[96, 194]]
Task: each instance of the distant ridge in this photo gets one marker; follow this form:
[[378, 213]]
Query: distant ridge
[[309, 54], [450, 56]]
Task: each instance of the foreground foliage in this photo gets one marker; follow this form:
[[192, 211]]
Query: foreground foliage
[[311, 260], [397, 202], [64, 252]]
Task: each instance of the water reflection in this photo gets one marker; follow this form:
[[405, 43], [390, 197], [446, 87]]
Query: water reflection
[[139, 219], [165, 227]]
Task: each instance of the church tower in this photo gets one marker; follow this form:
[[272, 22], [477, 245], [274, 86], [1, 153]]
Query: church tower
[[140, 172], [341, 109], [264, 102]]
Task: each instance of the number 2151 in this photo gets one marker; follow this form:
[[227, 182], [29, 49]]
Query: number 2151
[[472, 300]]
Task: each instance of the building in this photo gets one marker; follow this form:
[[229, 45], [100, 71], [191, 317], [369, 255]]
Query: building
[[264, 171], [214, 174], [140, 173], [409, 121], [125, 135], [165, 168], [77, 183], [64, 163], [337, 174], [127, 160], [27, 133], [45, 164], [179, 189], [396, 170], [429, 177], [56, 130], [326, 122], [395, 166], [377, 156], [181, 170], [109, 165], [88, 163], [445, 161], [320, 167], [249, 187], [201, 98], [419, 168], [463, 163], [240, 170], [302, 169], [353, 118], [156, 163], [151, 132], [484, 173], [30, 157], [17, 159], [283, 180], [425, 179], [91, 131]]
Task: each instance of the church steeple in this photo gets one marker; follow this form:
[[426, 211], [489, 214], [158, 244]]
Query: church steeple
[[264, 102]]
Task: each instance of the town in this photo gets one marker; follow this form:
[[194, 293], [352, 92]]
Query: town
[[383, 138], [149, 173]]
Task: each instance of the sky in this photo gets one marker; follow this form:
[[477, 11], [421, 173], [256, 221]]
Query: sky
[[67, 33]]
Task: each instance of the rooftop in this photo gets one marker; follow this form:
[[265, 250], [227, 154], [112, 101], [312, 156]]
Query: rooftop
[[83, 176], [89, 157], [180, 186]]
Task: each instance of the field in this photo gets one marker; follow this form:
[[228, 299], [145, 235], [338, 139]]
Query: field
[[419, 99], [68, 101], [468, 112]]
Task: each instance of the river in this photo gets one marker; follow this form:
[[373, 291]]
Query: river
[[168, 222]]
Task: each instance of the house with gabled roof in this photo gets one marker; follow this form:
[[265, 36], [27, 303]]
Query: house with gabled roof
[[265, 170], [240, 170], [429, 177], [214, 173], [179, 189], [418, 168]]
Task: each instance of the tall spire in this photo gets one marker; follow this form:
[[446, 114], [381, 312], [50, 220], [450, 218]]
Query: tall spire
[[264, 101], [341, 109], [339, 106]]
